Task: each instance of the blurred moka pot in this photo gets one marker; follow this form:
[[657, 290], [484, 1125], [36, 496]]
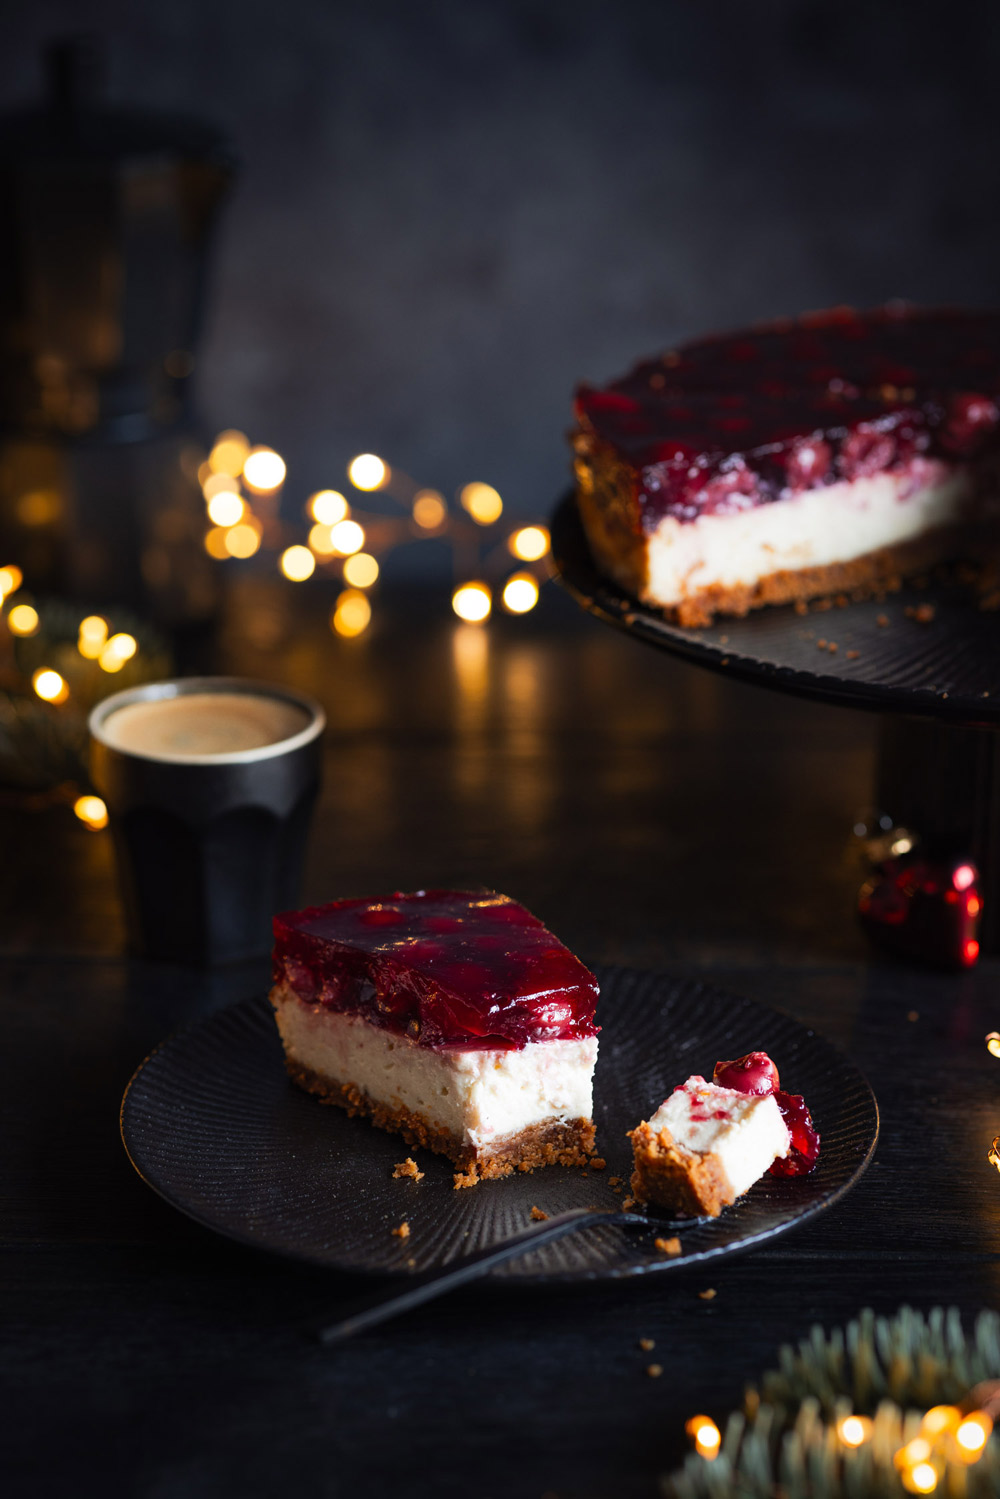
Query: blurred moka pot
[[106, 215]]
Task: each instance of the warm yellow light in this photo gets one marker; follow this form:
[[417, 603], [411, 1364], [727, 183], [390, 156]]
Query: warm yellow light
[[93, 635], [229, 453], [482, 502], [993, 1154], [321, 541], [92, 811], [940, 1418], [215, 544], [241, 540], [297, 564], [347, 537], [917, 1451], [705, 1434], [204, 472], [219, 484], [328, 506], [352, 613], [974, 1432], [361, 570], [22, 620], [921, 1479], [263, 470], [50, 685], [530, 543], [993, 1043], [429, 510], [367, 472], [11, 578], [472, 602], [225, 509], [122, 645], [854, 1430], [520, 593]]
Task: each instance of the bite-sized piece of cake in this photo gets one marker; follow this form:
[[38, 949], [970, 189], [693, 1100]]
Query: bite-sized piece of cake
[[836, 452], [756, 1073], [704, 1147], [454, 1019]]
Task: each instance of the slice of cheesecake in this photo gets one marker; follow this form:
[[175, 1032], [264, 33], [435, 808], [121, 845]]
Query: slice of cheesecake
[[834, 453], [454, 1019], [705, 1146]]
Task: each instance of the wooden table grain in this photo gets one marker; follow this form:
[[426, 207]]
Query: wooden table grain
[[652, 815]]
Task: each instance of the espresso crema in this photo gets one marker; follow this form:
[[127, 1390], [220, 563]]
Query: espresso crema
[[197, 724]]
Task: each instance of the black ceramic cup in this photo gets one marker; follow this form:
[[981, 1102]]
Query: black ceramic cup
[[208, 846]]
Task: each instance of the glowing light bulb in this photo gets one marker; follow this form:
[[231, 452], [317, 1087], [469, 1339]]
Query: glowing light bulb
[[91, 811], [520, 593], [49, 685], [482, 502], [917, 1451], [993, 1154], [854, 1430], [92, 637], [119, 649], [347, 537], [242, 540], [328, 506], [361, 570], [11, 578], [530, 543], [472, 602], [225, 509], [215, 544], [22, 620], [352, 613], [963, 877], [229, 453], [263, 470], [940, 1418], [705, 1434], [297, 563], [993, 1043], [220, 484], [974, 1432], [367, 472], [429, 510], [321, 541], [921, 1479]]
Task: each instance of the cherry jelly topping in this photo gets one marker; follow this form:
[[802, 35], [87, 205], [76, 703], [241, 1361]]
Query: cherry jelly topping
[[450, 968], [754, 1073], [728, 423]]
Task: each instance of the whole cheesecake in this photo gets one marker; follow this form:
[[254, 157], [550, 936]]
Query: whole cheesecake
[[837, 452]]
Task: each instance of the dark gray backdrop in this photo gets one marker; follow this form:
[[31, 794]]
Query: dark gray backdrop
[[451, 210]]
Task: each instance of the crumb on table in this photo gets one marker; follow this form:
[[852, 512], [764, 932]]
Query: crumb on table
[[538, 1215], [403, 1231], [647, 1344], [913, 1015], [466, 1178], [597, 1163], [708, 1295], [671, 1247], [614, 1181], [853, 655], [922, 613], [408, 1168], [882, 619], [628, 1203], [654, 1370]]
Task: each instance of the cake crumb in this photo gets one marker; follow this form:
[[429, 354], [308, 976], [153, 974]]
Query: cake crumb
[[538, 1215], [708, 1295], [821, 645], [408, 1168], [647, 1344], [654, 1370], [882, 619], [598, 1163], [466, 1178], [402, 1232], [922, 613], [614, 1181], [853, 655], [833, 646], [801, 607], [628, 1203], [668, 1246], [913, 1015]]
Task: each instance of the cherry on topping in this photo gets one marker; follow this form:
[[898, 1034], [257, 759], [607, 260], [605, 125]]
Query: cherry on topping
[[804, 1152], [808, 463], [866, 452], [755, 1073]]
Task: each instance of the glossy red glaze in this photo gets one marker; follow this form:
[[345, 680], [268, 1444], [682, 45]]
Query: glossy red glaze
[[728, 423], [755, 1073], [450, 968]]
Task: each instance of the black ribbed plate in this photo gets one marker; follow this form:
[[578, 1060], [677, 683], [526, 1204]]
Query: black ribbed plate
[[948, 668], [212, 1123]]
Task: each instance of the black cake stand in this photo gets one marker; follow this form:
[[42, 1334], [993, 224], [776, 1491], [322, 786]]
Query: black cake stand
[[926, 660]]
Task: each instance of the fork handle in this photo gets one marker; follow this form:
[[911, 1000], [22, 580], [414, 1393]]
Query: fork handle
[[431, 1283]]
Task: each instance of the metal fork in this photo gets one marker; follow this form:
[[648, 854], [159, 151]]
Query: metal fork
[[431, 1283]]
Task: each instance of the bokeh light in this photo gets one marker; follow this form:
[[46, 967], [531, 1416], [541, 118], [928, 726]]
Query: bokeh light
[[297, 563], [225, 509], [472, 602], [328, 506], [119, 649], [49, 685], [92, 637], [23, 620], [351, 614], [242, 540], [920, 1479], [220, 484], [229, 453], [361, 570], [367, 472], [974, 1432], [520, 593], [429, 510], [530, 543], [705, 1434], [482, 502], [11, 578], [321, 540], [854, 1431], [92, 812], [347, 537], [216, 545], [264, 470]]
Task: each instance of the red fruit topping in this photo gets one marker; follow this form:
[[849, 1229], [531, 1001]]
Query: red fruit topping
[[808, 463], [450, 968], [755, 1073], [804, 1154], [866, 451]]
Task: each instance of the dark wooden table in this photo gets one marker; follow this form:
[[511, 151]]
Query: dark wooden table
[[653, 815]]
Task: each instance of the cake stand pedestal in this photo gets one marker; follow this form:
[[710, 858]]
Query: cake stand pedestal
[[927, 661]]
